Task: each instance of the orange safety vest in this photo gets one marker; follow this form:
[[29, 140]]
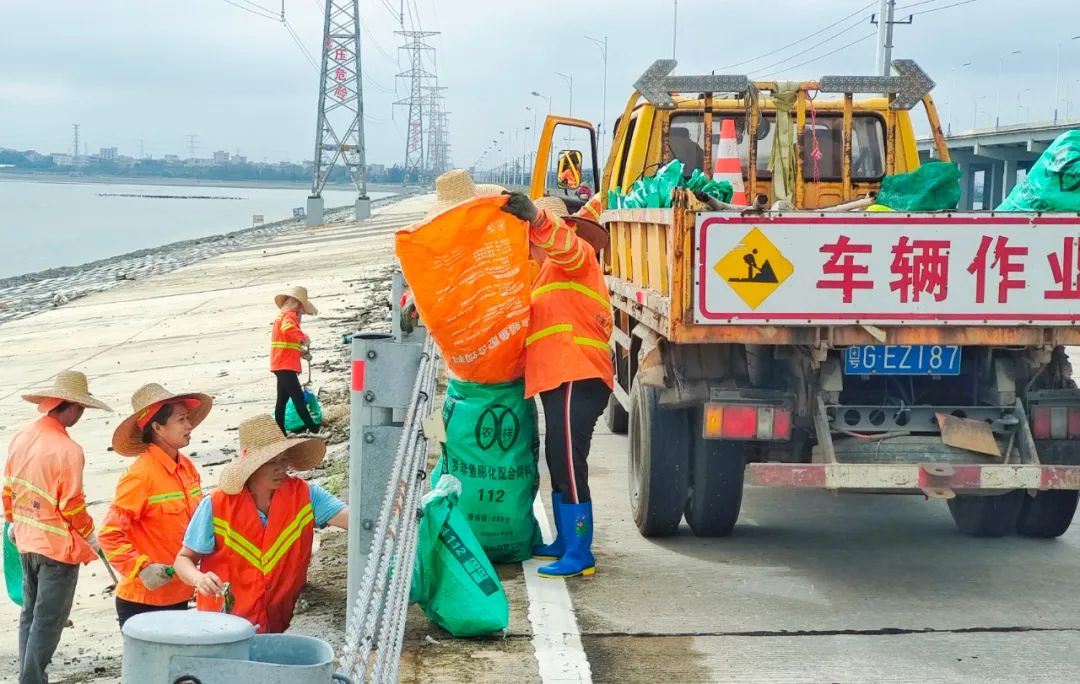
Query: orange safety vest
[[285, 342], [43, 493], [146, 522], [570, 321], [266, 565]]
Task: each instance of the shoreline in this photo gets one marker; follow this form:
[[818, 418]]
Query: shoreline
[[192, 182], [30, 293]]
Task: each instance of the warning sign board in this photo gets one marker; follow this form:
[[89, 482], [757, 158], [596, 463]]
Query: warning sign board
[[754, 268]]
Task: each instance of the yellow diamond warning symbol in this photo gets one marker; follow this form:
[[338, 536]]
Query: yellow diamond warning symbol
[[754, 268]]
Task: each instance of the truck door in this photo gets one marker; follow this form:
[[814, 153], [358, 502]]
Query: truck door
[[566, 162]]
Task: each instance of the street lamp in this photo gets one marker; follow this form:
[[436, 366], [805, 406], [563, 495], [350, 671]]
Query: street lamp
[[602, 128], [569, 78], [1001, 77], [1019, 95], [975, 114], [952, 95], [545, 97], [1057, 80]]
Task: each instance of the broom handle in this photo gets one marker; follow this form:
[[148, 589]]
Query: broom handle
[[112, 573]]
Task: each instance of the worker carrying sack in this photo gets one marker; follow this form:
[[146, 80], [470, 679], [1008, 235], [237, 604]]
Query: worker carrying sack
[[468, 268], [1053, 183], [452, 581], [13, 574], [492, 446]]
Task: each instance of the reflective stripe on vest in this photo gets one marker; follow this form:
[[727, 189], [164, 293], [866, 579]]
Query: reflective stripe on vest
[[32, 487], [40, 525], [286, 345], [265, 562], [566, 328], [572, 287]]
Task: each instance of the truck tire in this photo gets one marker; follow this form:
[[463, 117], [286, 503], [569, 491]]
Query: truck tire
[[616, 417], [987, 516], [659, 463], [716, 482], [1047, 514]]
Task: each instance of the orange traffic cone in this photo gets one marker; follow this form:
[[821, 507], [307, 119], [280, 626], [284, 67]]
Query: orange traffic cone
[[727, 166]]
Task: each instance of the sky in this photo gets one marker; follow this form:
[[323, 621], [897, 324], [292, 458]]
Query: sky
[[155, 71]]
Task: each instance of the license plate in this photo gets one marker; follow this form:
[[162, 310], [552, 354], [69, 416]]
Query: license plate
[[902, 359]]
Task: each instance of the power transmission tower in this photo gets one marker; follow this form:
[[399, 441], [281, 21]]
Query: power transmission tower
[[191, 143], [417, 74], [75, 130], [339, 134], [436, 133]]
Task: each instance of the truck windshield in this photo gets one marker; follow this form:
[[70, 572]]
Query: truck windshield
[[867, 144]]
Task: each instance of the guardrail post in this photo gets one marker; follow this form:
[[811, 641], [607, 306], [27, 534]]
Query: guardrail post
[[383, 373]]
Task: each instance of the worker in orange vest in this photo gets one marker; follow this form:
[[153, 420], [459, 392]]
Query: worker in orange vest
[[568, 364], [154, 499], [288, 345], [45, 504], [254, 532]]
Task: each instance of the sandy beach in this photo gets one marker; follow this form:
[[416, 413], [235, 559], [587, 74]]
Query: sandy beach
[[196, 317]]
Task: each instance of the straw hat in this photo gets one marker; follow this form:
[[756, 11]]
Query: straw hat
[[68, 386], [457, 186], [260, 442], [127, 439], [300, 294], [589, 230]]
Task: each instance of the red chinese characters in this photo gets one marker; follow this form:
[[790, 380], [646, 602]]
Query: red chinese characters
[[340, 74], [342, 92], [1065, 268], [1004, 262], [341, 54], [842, 263], [920, 266]]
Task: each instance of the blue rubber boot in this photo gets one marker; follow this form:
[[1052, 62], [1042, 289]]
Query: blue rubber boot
[[577, 527], [555, 549]]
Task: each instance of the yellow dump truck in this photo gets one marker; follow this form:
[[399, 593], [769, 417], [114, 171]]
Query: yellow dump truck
[[815, 347]]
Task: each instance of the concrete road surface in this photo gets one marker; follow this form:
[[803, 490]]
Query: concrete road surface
[[811, 587]]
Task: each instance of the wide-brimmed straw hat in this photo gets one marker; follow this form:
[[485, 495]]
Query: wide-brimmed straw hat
[[299, 294], [67, 386], [145, 403], [457, 186], [261, 441], [588, 229]]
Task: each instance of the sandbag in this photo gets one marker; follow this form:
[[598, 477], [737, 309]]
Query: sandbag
[[934, 186], [452, 580], [468, 269], [1053, 183], [492, 446], [293, 422], [13, 574]]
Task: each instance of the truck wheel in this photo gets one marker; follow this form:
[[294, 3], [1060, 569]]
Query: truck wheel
[[1048, 514], [659, 463], [616, 417], [987, 516], [716, 482]]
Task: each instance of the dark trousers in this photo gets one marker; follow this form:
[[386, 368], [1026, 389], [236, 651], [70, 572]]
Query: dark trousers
[[288, 387], [570, 414], [48, 592], [125, 610]]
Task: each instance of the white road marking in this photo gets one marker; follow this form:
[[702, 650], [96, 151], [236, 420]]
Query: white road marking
[[556, 639]]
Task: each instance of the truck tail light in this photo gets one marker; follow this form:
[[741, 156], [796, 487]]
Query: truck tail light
[[1040, 422], [1055, 422], [1074, 423], [739, 421]]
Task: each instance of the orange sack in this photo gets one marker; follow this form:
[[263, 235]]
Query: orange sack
[[468, 268]]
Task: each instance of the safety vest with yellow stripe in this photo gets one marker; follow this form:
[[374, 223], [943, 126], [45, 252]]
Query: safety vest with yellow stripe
[[286, 342], [265, 565], [570, 323]]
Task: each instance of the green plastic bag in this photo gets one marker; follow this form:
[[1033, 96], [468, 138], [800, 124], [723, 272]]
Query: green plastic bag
[[934, 186], [13, 574], [293, 423], [492, 446], [1053, 183], [452, 580]]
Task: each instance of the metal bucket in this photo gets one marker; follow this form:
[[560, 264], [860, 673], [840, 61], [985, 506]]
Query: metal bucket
[[292, 659]]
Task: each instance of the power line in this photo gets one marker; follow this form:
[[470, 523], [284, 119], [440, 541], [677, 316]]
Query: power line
[[255, 12], [833, 52], [938, 9], [299, 43], [812, 47], [793, 44]]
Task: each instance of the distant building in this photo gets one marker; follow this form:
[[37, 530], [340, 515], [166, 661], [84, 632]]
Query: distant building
[[61, 159], [108, 154], [376, 170], [221, 157], [238, 159], [171, 159]]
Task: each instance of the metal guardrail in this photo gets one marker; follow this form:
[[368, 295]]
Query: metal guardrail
[[385, 492]]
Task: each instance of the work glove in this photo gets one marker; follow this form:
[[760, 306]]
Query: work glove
[[93, 542], [155, 576], [519, 205]]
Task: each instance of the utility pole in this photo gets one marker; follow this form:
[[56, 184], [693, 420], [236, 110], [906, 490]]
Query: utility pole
[[885, 37], [417, 75], [191, 138], [339, 131], [602, 128], [674, 28], [75, 147]]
